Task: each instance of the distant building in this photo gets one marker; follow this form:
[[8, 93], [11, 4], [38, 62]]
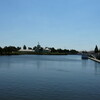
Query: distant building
[[46, 50], [38, 48], [26, 50]]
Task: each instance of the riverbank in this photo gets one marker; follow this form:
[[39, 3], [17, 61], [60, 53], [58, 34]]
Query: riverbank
[[36, 53], [32, 53]]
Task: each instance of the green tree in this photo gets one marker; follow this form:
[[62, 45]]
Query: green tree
[[96, 49], [1, 50], [60, 50], [72, 51], [18, 48], [24, 47], [9, 50], [66, 51], [53, 49], [41, 50], [29, 48], [34, 48]]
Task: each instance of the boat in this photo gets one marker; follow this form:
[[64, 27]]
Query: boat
[[84, 56]]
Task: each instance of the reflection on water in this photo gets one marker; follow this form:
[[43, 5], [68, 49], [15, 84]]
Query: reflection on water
[[38, 77], [84, 63], [97, 68]]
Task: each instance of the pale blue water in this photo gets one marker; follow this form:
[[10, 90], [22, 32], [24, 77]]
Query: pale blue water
[[38, 77]]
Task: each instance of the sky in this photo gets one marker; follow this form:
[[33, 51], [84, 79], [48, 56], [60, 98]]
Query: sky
[[66, 24]]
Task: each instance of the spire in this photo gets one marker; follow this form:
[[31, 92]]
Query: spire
[[38, 43]]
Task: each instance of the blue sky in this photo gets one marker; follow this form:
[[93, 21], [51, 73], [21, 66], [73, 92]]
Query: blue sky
[[68, 24]]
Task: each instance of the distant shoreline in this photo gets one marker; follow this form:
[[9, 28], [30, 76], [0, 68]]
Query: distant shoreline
[[33, 53], [37, 50]]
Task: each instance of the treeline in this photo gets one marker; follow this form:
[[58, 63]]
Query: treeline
[[97, 52], [9, 50], [63, 51], [12, 50]]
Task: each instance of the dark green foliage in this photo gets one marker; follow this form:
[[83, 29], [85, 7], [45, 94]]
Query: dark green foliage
[[1, 50], [29, 48], [53, 49], [18, 48], [41, 49], [59, 50], [96, 49], [34, 48], [8, 50], [24, 47], [84, 52], [11, 50], [73, 51], [98, 56], [65, 51]]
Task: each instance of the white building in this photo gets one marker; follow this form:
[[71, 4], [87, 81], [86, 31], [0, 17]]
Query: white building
[[26, 50]]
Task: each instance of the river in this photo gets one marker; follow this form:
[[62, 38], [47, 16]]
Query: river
[[49, 77]]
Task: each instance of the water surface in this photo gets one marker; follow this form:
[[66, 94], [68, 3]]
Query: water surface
[[38, 77]]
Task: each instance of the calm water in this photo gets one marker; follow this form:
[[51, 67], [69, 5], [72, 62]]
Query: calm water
[[35, 77]]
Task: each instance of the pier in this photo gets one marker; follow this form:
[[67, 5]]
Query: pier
[[94, 59]]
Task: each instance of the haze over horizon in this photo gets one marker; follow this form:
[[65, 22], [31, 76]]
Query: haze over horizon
[[68, 24]]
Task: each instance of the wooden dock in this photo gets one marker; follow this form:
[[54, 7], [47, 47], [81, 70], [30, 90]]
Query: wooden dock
[[94, 59]]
